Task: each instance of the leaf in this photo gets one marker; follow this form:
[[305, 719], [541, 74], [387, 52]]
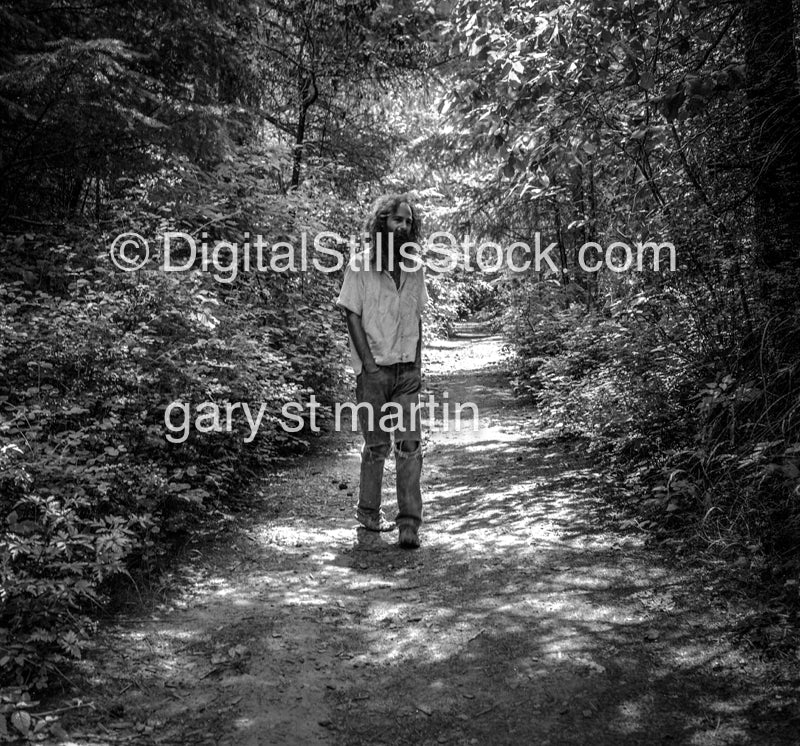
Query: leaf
[[479, 45], [791, 471], [21, 721], [57, 731]]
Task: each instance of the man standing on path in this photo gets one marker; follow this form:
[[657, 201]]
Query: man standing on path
[[383, 295]]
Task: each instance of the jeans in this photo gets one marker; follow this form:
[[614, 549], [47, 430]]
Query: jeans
[[397, 386]]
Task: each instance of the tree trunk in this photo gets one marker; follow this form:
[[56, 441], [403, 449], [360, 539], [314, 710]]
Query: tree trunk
[[308, 95], [774, 103]]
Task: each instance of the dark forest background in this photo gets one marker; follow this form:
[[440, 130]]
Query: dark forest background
[[590, 120]]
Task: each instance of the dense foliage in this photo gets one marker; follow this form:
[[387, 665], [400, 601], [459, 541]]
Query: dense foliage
[[556, 124]]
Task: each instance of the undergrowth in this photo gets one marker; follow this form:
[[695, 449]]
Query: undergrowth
[[704, 438]]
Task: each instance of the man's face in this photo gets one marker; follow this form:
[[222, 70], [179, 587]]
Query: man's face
[[400, 222]]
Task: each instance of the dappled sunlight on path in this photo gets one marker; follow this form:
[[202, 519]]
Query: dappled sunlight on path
[[523, 618]]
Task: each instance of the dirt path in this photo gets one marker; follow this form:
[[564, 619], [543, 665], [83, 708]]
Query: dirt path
[[525, 618]]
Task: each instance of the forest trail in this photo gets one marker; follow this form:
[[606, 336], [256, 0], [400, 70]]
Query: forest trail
[[526, 617]]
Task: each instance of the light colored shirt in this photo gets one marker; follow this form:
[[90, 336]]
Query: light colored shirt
[[390, 315]]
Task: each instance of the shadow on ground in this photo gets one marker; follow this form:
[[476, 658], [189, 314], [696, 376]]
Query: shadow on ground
[[524, 618]]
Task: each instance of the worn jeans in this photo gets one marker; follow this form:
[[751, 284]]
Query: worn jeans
[[392, 390]]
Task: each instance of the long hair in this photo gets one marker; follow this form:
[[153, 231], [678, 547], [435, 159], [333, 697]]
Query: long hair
[[383, 208]]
